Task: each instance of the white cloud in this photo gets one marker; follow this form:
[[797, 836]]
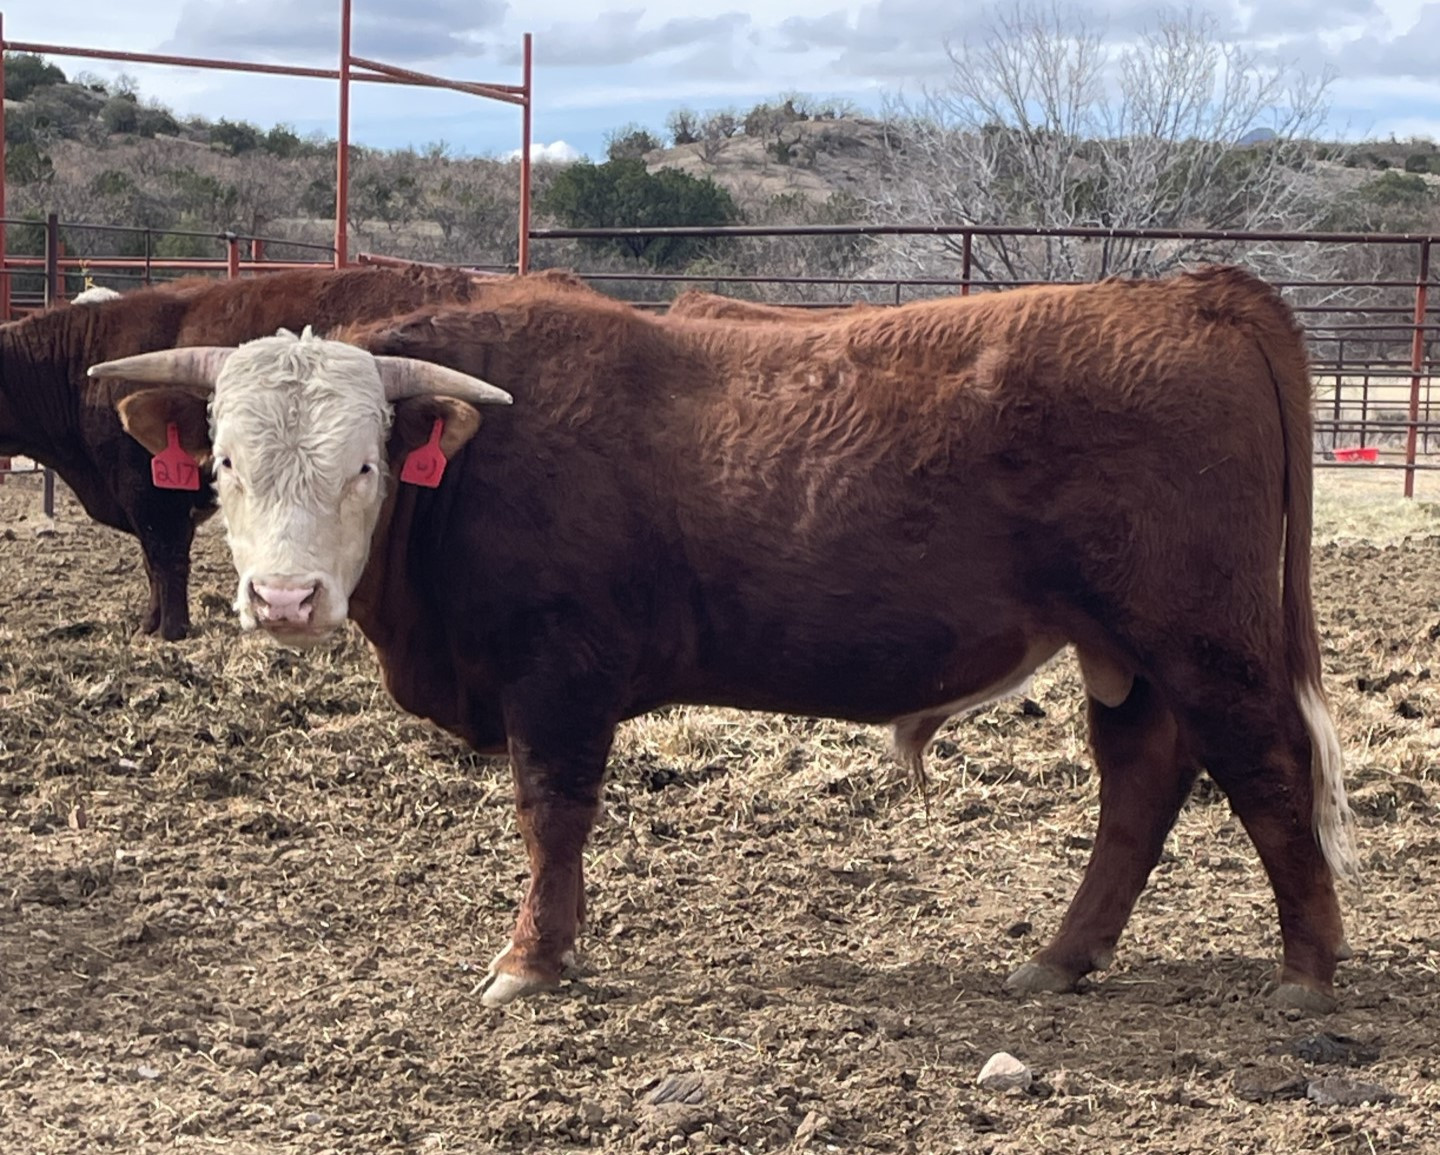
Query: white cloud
[[557, 152], [403, 31], [599, 68]]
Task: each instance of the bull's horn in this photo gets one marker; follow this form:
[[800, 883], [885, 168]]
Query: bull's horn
[[197, 365], [410, 377]]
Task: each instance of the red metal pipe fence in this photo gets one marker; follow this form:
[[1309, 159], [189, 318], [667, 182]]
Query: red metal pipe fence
[[145, 269], [351, 68], [1417, 360]]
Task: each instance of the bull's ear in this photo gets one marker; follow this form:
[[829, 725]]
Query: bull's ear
[[415, 420], [148, 415]]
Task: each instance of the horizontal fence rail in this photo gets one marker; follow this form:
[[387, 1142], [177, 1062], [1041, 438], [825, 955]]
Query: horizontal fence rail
[[57, 259]]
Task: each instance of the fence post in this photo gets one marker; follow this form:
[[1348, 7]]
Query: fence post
[[52, 294], [1339, 405], [1417, 364], [965, 241], [342, 145], [148, 251], [522, 258], [52, 258], [232, 256], [257, 249]]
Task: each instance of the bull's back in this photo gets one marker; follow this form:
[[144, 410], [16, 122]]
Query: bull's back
[[237, 311]]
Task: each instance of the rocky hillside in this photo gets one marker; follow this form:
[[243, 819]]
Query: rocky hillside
[[811, 158], [92, 152]]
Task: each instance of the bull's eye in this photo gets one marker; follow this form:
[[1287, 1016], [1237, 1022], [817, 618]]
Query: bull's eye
[[224, 463], [364, 469]]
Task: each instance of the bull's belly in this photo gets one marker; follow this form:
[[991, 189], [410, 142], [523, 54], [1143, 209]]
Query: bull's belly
[[913, 731], [869, 674], [915, 692], [1037, 652]]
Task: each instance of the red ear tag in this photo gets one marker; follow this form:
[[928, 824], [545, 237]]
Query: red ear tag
[[172, 467], [426, 465]]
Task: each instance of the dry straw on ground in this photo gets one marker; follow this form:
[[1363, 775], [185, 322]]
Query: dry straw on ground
[[245, 905]]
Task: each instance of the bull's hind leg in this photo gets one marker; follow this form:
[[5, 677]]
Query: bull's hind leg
[[1145, 777], [1253, 741], [1252, 736]]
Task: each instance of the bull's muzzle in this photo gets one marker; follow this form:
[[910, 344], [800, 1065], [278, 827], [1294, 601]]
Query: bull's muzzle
[[283, 604]]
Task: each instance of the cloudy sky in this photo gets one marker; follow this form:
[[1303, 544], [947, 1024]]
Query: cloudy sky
[[600, 67]]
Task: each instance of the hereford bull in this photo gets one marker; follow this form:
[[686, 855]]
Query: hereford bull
[[51, 412], [889, 518]]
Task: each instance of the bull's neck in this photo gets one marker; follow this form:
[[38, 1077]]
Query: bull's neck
[[411, 639], [39, 404], [368, 600]]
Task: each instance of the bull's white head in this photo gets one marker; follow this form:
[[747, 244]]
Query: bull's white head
[[300, 432]]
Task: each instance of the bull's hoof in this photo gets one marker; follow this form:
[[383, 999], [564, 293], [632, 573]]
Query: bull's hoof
[[1306, 1000], [1034, 978], [505, 988], [1344, 952], [506, 985], [170, 631]]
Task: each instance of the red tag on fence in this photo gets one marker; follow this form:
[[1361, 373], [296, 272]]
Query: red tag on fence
[[426, 465], [172, 467]]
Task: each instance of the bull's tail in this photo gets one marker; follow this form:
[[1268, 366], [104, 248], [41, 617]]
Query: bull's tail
[[1333, 820]]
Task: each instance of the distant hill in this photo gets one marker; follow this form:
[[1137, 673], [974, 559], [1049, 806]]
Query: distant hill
[[99, 153], [820, 158], [1258, 136]]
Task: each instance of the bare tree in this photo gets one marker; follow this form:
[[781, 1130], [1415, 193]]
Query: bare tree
[[1043, 122], [723, 123], [683, 125], [714, 130]]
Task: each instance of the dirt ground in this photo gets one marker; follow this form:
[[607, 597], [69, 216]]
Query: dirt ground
[[246, 904]]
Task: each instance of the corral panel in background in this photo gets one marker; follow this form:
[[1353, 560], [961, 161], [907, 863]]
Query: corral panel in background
[[351, 68]]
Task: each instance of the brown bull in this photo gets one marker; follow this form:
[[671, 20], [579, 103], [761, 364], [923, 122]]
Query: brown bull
[[890, 518]]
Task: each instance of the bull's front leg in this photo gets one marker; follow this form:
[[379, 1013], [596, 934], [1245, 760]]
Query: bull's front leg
[[168, 611], [166, 529], [559, 768]]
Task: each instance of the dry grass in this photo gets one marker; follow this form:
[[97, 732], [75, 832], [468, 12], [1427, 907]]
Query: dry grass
[[1357, 504], [247, 903]]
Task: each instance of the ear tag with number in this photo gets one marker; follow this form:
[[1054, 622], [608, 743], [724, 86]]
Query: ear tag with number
[[426, 465], [172, 467]]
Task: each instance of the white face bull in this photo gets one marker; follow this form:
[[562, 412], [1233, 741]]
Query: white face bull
[[298, 431]]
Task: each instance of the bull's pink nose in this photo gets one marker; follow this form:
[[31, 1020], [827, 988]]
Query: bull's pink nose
[[283, 603]]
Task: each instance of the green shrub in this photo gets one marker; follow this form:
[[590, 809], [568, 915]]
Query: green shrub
[[25, 72], [622, 193]]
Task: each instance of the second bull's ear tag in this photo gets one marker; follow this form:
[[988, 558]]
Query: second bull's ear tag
[[172, 467], [426, 465]]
